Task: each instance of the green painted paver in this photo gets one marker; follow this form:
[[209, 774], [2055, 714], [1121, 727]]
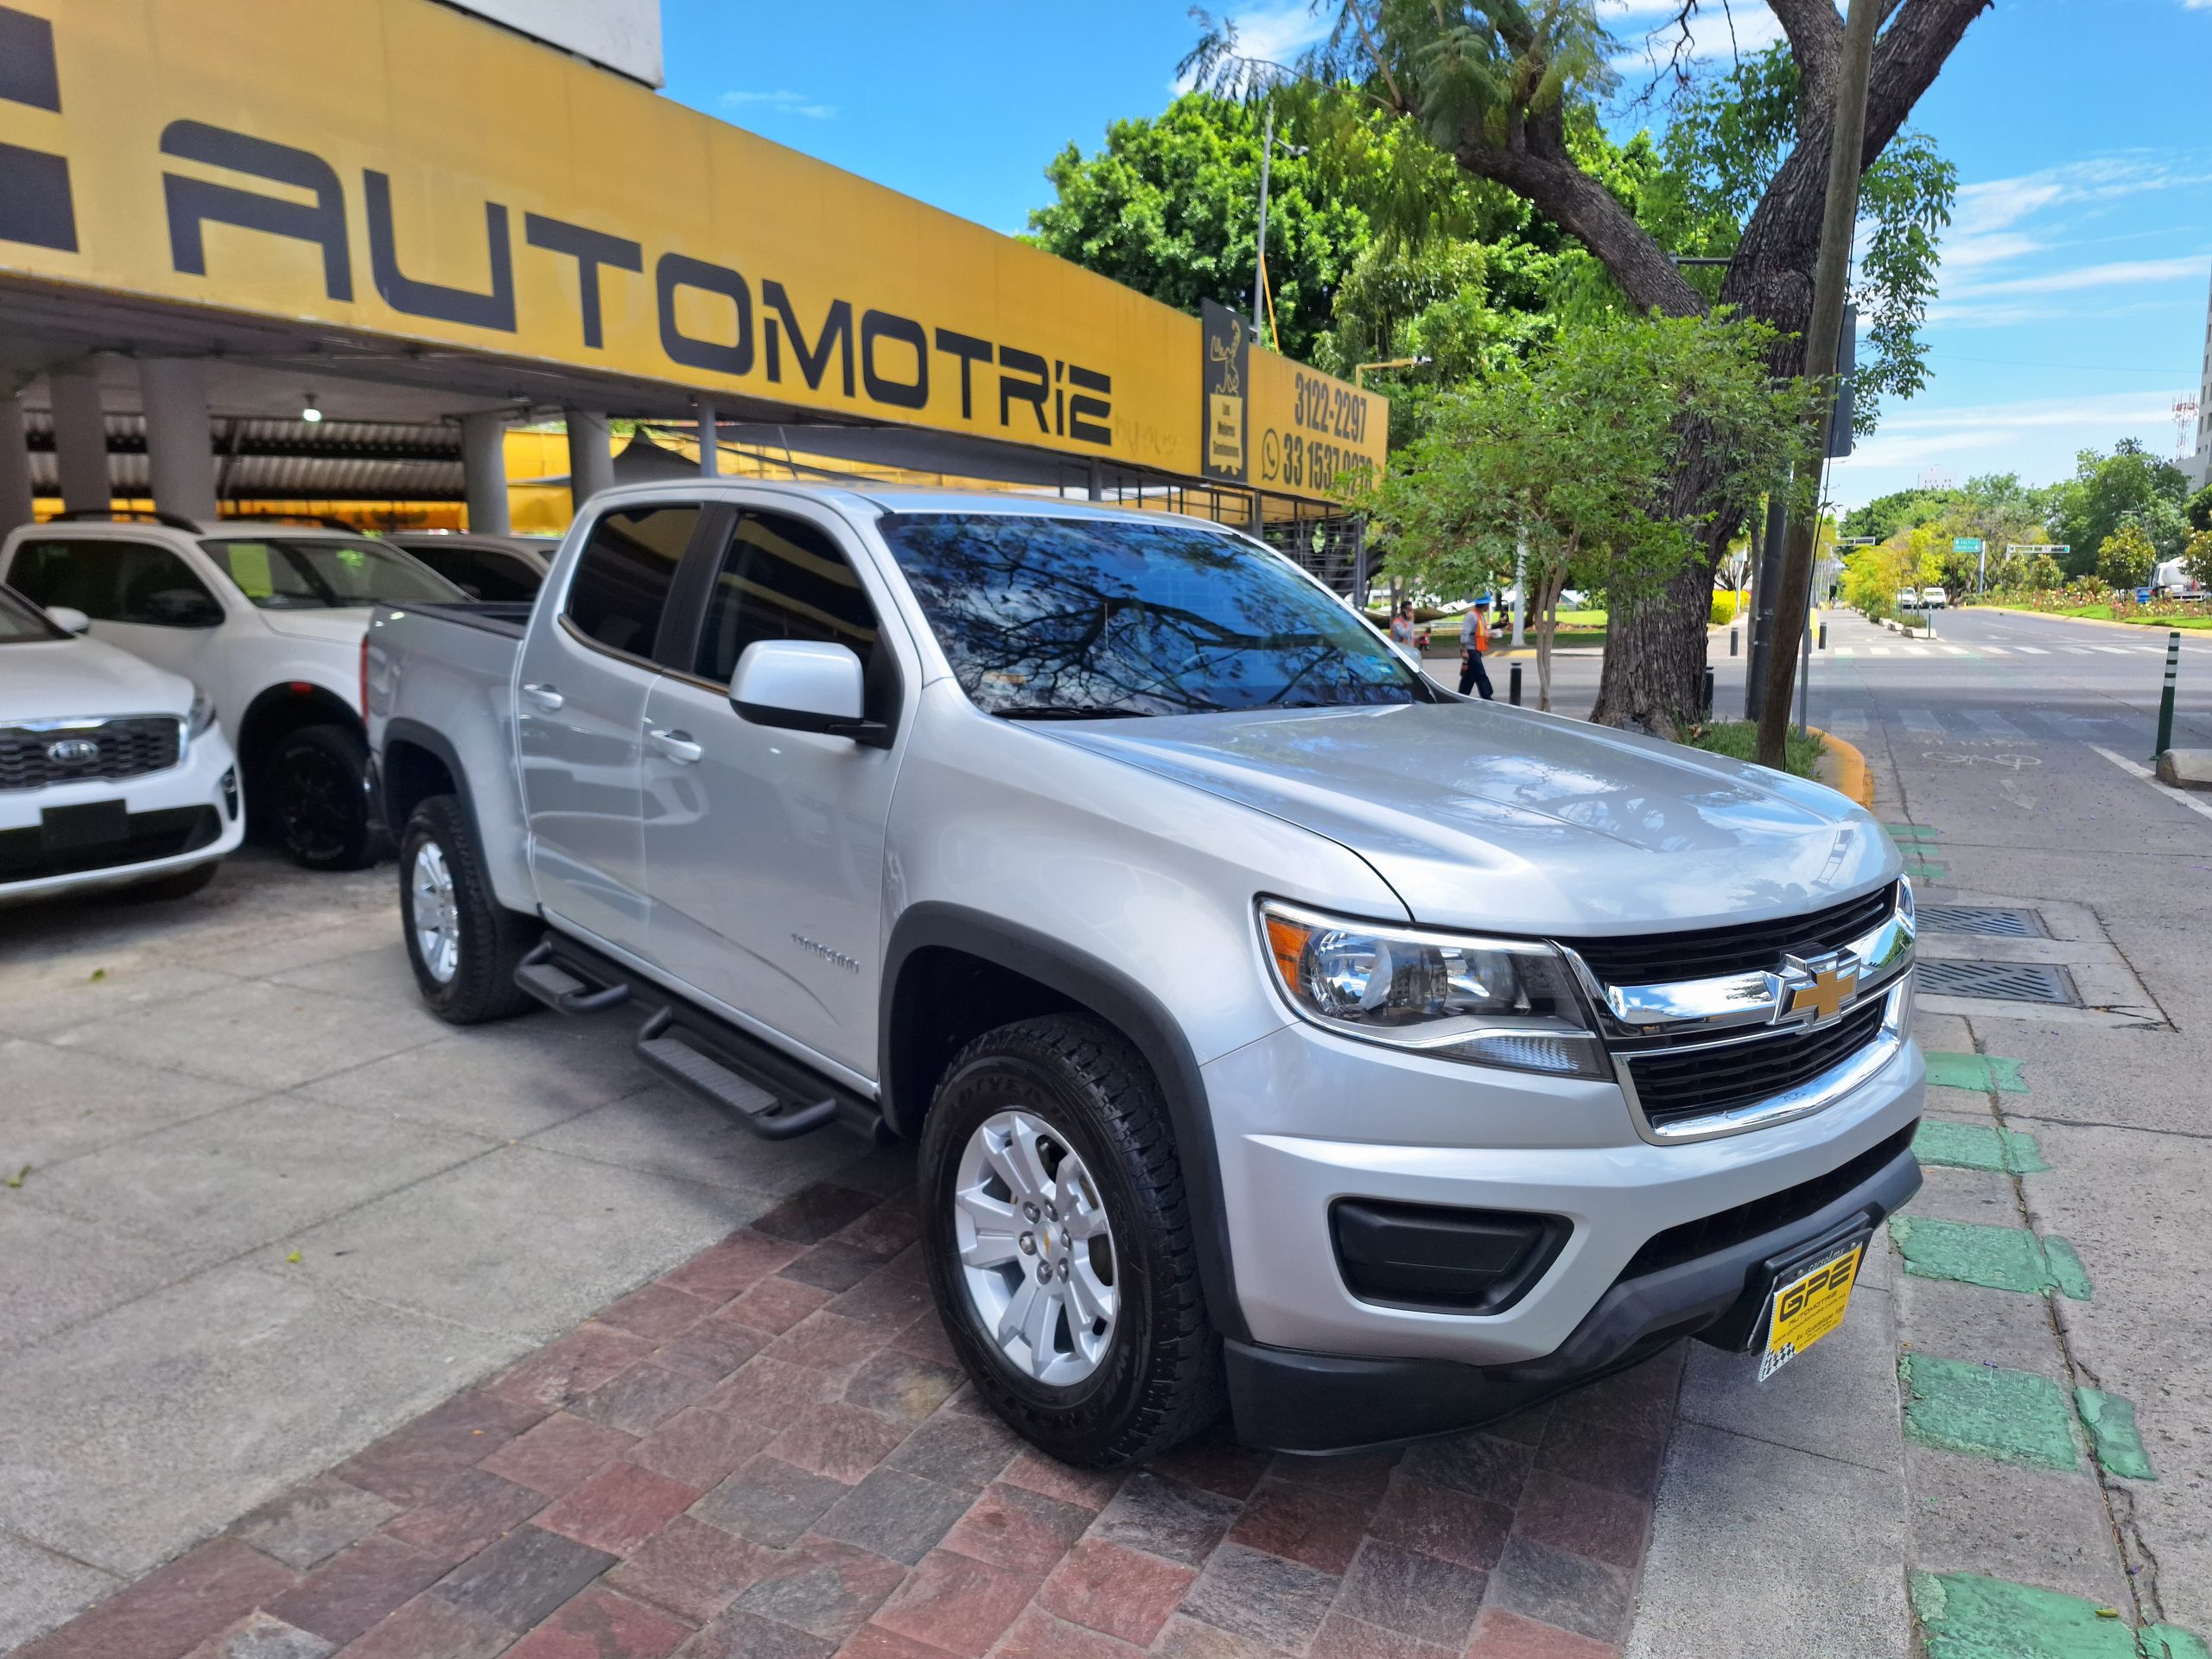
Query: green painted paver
[[2171, 1642], [1971, 1146], [1983, 1073], [1988, 1411], [2110, 1422], [2066, 1269], [1921, 870], [1964, 1617], [1998, 1258], [1909, 832]]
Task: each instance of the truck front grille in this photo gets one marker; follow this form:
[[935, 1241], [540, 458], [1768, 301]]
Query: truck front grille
[[126, 747], [1674, 1085], [1709, 953]]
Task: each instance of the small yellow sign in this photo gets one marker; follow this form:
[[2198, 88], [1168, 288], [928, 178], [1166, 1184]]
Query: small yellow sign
[[1808, 1308]]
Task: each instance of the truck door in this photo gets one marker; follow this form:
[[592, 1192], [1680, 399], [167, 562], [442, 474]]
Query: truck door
[[580, 708], [764, 848]]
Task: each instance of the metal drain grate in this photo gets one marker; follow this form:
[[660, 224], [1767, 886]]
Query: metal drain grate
[[1989, 921], [2003, 981]]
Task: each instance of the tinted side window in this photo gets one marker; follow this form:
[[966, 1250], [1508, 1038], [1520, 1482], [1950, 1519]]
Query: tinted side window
[[115, 581], [621, 582], [501, 576], [781, 578]]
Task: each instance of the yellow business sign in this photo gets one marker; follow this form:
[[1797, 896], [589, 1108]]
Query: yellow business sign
[[397, 168]]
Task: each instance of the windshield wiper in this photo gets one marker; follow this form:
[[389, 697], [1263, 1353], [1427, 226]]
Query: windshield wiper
[[1070, 711]]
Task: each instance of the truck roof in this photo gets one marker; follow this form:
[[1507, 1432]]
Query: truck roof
[[911, 501]]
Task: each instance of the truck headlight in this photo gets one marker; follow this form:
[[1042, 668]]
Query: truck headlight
[[1503, 1003], [203, 712]]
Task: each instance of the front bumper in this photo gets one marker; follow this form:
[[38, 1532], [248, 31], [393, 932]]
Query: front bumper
[[1317, 1368], [181, 816]]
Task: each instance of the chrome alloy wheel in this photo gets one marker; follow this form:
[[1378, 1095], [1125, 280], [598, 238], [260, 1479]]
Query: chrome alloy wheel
[[437, 918], [1036, 1249]]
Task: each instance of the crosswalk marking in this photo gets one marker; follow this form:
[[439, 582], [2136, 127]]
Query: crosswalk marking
[[1994, 650], [1878, 651], [2111, 651], [2033, 651], [2076, 650], [1844, 651], [1956, 650], [1848, 722], [1996, 725], [1920, 721]]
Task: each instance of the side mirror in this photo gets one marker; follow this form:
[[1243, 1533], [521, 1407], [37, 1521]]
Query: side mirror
[[804, 685], [68, 619]]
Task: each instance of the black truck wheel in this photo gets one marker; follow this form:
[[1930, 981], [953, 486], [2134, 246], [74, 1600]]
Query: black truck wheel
[[1060, 1246], [462, 944]]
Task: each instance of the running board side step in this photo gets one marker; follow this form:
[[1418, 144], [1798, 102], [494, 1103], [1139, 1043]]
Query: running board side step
[[559, 989], [700, 1054], [754, 1090]]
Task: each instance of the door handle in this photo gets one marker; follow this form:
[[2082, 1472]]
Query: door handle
[[676, 746], [543, 696]]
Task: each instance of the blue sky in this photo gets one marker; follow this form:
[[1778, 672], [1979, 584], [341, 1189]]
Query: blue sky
[[2073, 291]]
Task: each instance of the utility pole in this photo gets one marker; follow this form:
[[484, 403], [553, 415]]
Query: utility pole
[[1831, 281], [1259, 259]]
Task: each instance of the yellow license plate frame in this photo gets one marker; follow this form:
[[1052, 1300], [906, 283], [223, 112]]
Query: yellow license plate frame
[[1808, 1305]]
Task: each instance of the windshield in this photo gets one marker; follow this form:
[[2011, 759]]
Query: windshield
[[326, 573], [1091, 618], [20, 619]]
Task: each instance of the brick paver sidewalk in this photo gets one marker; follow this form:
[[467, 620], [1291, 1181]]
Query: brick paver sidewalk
[[769, 1453]]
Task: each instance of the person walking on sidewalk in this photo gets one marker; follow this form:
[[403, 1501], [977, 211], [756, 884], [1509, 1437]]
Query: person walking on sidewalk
[[1474, 640], [1406, 631]]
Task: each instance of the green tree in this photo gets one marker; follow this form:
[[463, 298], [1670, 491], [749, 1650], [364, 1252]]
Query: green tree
[[1570, 454], [1506, 88], [2197, 557], [1170, 207], [1885, 515], [2130, 483], [2199, 509], [2126, 558]]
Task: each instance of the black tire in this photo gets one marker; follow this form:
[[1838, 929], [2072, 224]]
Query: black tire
[[323, 799], [1159, 1383], [492, 938], [182, 884]]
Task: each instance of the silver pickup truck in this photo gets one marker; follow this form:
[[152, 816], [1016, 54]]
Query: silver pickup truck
[[1278, 1031]]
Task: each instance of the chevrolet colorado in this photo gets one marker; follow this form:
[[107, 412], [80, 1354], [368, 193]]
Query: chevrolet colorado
[[1277, 1030]]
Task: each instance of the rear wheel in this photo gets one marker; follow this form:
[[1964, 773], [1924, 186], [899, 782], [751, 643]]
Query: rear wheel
[[462, 944], [322, 796], [1060, 1245]]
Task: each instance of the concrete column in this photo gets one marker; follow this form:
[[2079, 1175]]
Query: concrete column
[[711, 453], [1097, 490], [79, 439], [591, 465], [14, 466], [484, 470], [180, 449]]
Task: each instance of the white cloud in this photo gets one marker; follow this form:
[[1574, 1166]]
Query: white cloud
[[778, 102], [2035, 437], [2118, 273], [1648, 33], [1274, 34]]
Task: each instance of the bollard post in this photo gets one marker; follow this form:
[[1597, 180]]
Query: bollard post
[[1824, 636], [1709, 691], [2166, 700], [1513, 685], [1732, 641]]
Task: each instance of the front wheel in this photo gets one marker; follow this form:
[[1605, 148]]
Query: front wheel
[[462, 944], [1060, 1245], [323, 798]]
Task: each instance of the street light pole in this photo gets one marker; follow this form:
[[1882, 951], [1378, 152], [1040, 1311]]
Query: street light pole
[[1260, 257], [1823, 335]]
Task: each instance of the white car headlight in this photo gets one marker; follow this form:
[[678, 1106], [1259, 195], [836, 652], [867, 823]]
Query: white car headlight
[[1502, 1002], [203, 712]]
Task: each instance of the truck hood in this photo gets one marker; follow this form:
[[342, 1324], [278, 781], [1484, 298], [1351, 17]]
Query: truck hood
[[1500, 818], [84, 679], [343, 626]]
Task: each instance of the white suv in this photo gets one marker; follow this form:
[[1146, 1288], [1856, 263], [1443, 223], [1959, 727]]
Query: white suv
[[112, 772], [267, 617]]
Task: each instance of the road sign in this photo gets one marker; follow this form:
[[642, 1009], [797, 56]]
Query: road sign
[[2054, 548], [1965, 544]]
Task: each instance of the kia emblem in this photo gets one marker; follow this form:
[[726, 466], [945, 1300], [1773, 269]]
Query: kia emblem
[[73, 752]]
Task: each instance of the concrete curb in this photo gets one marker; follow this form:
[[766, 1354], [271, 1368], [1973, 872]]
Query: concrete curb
[[1843, 769], [2093, 621]]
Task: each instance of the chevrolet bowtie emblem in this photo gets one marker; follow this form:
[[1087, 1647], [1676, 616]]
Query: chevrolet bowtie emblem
[[1825, 996]]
